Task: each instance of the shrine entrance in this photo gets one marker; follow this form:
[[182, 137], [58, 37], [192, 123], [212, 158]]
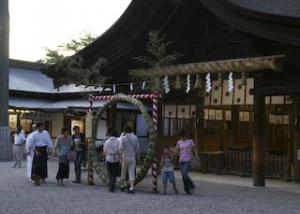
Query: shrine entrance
[[151, 124]]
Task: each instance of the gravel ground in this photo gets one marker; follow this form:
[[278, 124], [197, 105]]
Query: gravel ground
[[20, 197]]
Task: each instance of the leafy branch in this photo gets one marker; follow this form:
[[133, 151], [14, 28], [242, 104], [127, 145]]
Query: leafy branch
[[158, 55]]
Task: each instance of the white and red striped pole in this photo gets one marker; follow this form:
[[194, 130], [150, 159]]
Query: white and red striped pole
[[155, 122]]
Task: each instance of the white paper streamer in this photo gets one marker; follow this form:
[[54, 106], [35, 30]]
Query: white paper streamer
[[208, 83], [166, 84], [143, 85], [131, 86], [114, 88], [100, 89], [188, 83], [230, 85]]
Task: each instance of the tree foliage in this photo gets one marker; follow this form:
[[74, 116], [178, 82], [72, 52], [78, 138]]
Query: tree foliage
[[157, 51], [68, 69], [158, 55], [72, 70], [64, 50]]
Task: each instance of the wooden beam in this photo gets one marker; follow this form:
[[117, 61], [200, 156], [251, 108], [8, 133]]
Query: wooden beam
[[278, 90], [254, 64], [259, 137]]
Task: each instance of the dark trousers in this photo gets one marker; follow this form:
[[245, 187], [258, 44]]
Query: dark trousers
[[78, 162], [113, 171], [187, 181], [39, 165]]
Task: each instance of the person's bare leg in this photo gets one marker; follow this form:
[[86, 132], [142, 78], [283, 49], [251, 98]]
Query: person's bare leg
[[131, 186], [175, 188], [165, 188]]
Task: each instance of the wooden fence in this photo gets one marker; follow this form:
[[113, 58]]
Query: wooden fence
[[240, 163]]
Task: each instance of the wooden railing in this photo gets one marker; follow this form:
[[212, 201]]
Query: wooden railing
[[240, 163]]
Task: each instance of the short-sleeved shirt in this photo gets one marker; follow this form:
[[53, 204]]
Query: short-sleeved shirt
[[63, 145], [78, 140], [111, 148], [19, 139], [185, 147], [167, 164], [129, 145]]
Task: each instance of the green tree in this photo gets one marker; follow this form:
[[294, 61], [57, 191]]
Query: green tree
[[68, 67], [58, 54], [73, 70], [158, 55], [157, 51]]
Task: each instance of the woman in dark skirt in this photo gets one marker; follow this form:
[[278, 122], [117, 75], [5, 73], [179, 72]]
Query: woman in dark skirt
[[63, 145]]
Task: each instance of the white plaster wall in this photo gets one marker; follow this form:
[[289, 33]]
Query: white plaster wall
[[57, 124]]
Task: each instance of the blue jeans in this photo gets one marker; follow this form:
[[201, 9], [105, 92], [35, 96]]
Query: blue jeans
[[168, 176], [187, 181]]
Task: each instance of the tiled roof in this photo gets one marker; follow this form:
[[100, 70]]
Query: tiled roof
[[33, 80], [280, 7]]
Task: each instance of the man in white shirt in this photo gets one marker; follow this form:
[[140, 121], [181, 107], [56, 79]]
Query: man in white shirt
[[19, 140], [112, 157], [130, 149], [30, 153], [40, 140]]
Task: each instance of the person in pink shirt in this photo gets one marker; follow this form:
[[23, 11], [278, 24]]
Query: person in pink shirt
[[184, 147]]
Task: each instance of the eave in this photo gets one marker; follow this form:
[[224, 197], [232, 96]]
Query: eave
[[253, 64]]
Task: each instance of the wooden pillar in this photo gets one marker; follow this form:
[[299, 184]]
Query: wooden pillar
[[235, 118], [113, 116], [199, 118], [259, 136], [5, 145], [4, 62], [160, 130], [296, 136]]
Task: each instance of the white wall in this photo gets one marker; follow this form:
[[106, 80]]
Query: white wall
[[101, 130], [57, 124]]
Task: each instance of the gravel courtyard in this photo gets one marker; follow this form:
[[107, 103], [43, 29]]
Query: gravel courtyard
[[17, 196]]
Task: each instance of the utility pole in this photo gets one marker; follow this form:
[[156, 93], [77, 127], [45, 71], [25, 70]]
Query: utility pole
[[5, 144]]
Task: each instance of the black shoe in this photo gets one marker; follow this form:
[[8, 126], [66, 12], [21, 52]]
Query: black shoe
[[131, 191], [76, 182], [122, 189], [36, 183]]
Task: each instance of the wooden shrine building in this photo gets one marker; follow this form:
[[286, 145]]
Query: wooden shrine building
[[254, 127]]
